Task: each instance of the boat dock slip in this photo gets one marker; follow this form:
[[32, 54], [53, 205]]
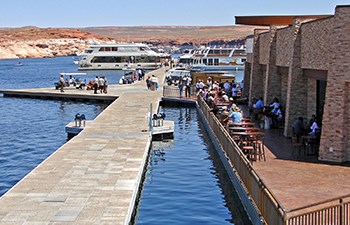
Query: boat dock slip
[[94, 178]]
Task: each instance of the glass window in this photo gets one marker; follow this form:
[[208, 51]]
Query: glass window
[[216, 62]]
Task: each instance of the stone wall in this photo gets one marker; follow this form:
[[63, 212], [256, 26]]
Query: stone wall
[[288, 62], [256, 73], [272, 78], [246, 79], [264, 46], [283, 73], [284, 46], [311, 97], [335, 143], [315, 42]]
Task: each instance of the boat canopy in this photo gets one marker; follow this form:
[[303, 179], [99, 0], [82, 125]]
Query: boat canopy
[[73, 74]]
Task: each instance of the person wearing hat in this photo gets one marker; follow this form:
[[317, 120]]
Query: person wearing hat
[[236, 114]]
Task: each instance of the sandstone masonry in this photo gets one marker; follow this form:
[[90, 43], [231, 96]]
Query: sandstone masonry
[[307, 66]]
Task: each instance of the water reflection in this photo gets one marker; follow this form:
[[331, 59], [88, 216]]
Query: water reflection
[[231, 198], [185, 182]]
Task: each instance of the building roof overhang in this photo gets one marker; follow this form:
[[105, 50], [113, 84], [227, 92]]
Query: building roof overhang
[[275, 20]]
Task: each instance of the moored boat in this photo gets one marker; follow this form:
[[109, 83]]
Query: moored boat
[[218, 59], [119, 56]]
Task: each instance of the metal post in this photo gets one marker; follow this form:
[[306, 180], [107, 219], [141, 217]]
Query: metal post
[[150, 116]]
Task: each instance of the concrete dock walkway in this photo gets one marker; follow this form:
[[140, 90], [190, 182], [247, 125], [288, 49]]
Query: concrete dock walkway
[[94, 178]]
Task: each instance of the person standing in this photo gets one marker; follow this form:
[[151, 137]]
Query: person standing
[[234, 92], [62, 83], [227, 87], [96, 85], [298, 128], [181, 86], [188, 87], [148, 82], [106, 85], [101, 83]]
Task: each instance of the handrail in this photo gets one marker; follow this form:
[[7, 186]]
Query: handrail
[[336, 211], [319, 203], [279, 207]]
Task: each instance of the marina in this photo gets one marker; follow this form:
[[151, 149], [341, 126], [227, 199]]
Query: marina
[[252, 134], [88, 158]]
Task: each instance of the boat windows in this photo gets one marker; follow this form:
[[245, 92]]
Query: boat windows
[[216, 62], [89, 51], [114, 49], [105, 49], [243, 60], [109, 59], [205, 61], [239, 51], [125, 59], [143, 49], [210, 62]]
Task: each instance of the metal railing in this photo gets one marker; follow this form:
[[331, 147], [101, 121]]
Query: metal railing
[[174, 91], [331, 212]]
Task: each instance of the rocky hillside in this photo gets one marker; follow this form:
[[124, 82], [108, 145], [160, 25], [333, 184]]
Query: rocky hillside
[[173, 35], [32, 42]]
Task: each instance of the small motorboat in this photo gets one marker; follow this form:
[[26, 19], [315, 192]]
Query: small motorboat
[[19, 63], [75, 61]]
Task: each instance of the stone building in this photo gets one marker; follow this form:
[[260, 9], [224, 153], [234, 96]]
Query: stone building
[[305, 62]]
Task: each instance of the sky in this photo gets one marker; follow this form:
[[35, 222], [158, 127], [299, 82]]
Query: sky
[[87, 13]]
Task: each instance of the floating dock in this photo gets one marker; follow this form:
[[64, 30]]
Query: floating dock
[[165, 130], [95, 177]]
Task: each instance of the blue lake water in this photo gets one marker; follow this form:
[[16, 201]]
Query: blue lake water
[[185, 182], [32, 129]]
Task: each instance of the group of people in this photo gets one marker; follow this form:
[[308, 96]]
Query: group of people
[[101, 84], [214, 95], [271, 115], [310, 128], [186, 82], [152, 83]]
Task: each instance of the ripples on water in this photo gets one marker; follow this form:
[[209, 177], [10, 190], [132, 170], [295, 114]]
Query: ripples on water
[[32, 129], [185, 181]]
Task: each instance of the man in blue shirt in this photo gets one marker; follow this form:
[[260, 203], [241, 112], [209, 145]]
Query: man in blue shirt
[[258, 108], [259, 104]]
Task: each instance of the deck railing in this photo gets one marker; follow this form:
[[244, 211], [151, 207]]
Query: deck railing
[[174, 91], [331, 212]]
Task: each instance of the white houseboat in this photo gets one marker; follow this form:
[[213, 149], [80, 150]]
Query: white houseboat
[[214, 59], [119, 56]]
